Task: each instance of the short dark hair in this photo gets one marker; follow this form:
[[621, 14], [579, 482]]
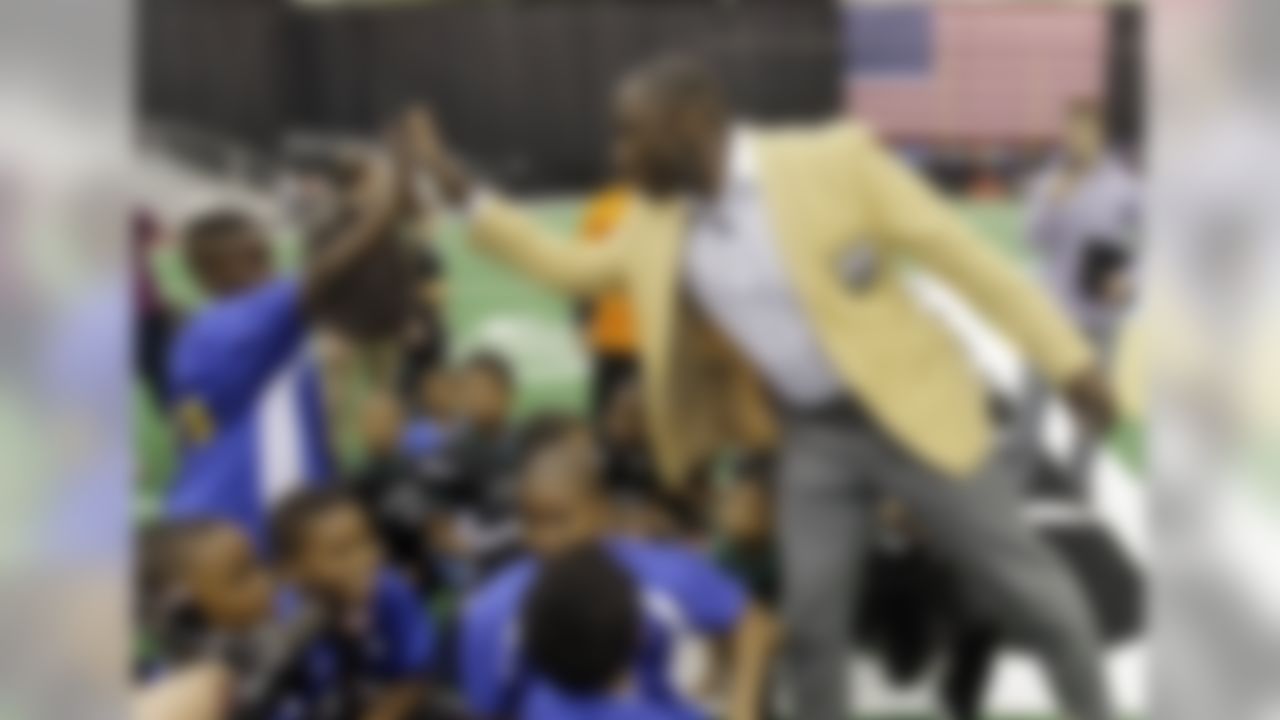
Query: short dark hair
[[493, 364], [582, 621], [293, 516], [214, 226]]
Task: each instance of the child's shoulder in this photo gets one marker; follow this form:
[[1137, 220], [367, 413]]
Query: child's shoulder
[[505, 588], [648, 550], [658, 561]]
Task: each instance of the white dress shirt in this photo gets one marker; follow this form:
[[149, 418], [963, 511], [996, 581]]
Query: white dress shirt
[[734, 271]]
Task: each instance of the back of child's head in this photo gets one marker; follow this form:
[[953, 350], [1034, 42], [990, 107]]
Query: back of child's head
[[582, 621], [323, 538]]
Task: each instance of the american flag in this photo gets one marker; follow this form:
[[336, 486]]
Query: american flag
[[981, 72]]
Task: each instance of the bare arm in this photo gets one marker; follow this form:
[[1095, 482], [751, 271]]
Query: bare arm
[[751, 646], [911, 213], [502, 230], [377, 206]]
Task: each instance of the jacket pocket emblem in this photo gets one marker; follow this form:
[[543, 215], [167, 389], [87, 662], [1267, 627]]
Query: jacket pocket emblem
[[859, 266]]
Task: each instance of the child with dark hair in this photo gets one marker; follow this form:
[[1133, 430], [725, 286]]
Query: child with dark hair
[[474, 467], [564, 508], [432, 411], [393, 486], [200, 582], [583, 624], [245, 392], [378, 641], [206, 599], [485, 443], [487, 386]]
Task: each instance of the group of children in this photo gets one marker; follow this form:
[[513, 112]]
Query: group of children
[[582, 617], [460, 565]]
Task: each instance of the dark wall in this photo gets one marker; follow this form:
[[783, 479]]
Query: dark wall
[[1126, 69], [521, 85], [214, 64]]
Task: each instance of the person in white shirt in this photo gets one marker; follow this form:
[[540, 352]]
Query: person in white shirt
[[1083, 225]]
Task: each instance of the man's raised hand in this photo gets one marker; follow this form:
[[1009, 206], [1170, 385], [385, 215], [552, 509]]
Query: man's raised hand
[[418, 138]]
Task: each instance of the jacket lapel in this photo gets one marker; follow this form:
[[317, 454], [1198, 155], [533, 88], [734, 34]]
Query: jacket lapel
[[790, 208], [658, 273], [655, 277]]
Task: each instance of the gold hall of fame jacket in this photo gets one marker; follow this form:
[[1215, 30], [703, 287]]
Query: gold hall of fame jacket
[[850, 219]]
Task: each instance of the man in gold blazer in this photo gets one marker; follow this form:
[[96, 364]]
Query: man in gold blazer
[[767, 273]]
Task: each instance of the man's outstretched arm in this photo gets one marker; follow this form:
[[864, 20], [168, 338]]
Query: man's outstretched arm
[[502, 230], [912, 214]]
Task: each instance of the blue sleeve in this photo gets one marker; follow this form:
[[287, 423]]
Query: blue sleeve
[[406, 631], [233, 348], [712, 600], [492, 676], [481, 662]]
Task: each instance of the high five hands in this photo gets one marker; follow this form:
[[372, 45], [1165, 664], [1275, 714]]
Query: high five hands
[[417, 137]]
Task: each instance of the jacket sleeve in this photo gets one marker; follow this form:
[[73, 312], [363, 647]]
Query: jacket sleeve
[[573, 268], [910, 214]]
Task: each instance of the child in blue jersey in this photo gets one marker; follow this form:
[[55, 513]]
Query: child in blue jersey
[[201, 582], [207, 598], [378, 642], [583, 624], [563, 507], [246, 400]]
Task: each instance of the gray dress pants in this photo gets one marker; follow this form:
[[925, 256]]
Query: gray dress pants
[[835, 466]]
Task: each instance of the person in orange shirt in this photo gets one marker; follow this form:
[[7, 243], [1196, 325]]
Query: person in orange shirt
[[608, 327]]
